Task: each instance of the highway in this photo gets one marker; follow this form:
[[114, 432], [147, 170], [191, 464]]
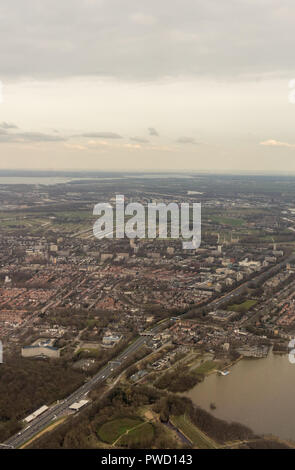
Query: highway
[[61, 408]]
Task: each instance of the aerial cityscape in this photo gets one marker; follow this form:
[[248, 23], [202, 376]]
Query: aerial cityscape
[[113, 343], [147, 230]]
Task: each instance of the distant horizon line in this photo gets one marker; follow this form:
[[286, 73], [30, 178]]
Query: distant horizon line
[[67, 171]]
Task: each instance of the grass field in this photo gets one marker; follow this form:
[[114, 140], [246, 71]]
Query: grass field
[[92, 352], [109, 432], [143, 434], [243, 307], [227, 220], [68, 221], [206, 367], [197, 437]]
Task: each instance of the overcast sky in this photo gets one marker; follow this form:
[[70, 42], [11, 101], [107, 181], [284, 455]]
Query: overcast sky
[[147, 84]]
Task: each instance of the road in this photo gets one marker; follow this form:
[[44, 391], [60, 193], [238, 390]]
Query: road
[[61, 408], [240, 289]]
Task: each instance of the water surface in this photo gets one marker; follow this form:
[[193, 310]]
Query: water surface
[[259, 393]]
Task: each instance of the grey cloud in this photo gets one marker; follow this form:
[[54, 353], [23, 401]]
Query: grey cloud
[[7, 134], [19, 137], [153, 131], [7, 125], [101, 135], [139, 39], [39, 137], [139, 140], [186, 140]]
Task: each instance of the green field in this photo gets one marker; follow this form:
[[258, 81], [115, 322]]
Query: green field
[[206, 367], [67, 221], [142, 435], [197, 437], [227, 220], [89, 352], [110, 431], [243, 307]]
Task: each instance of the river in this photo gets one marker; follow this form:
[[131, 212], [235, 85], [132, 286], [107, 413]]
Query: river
[[259, 393]]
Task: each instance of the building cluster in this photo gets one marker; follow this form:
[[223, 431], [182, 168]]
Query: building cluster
[[60, 283]]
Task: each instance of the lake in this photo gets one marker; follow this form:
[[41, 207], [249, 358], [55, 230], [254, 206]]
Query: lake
[[259, 393]]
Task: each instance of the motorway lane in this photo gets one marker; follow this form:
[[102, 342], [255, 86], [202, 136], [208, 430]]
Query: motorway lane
[[61, 408]]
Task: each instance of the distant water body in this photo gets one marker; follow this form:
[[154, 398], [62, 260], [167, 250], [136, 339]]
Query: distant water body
[[48, 180], [33, 180], [258, 393]]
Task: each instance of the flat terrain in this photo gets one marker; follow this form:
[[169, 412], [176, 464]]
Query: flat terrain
[[243, 307], [206, 367], [142, 433], [109, 432]]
